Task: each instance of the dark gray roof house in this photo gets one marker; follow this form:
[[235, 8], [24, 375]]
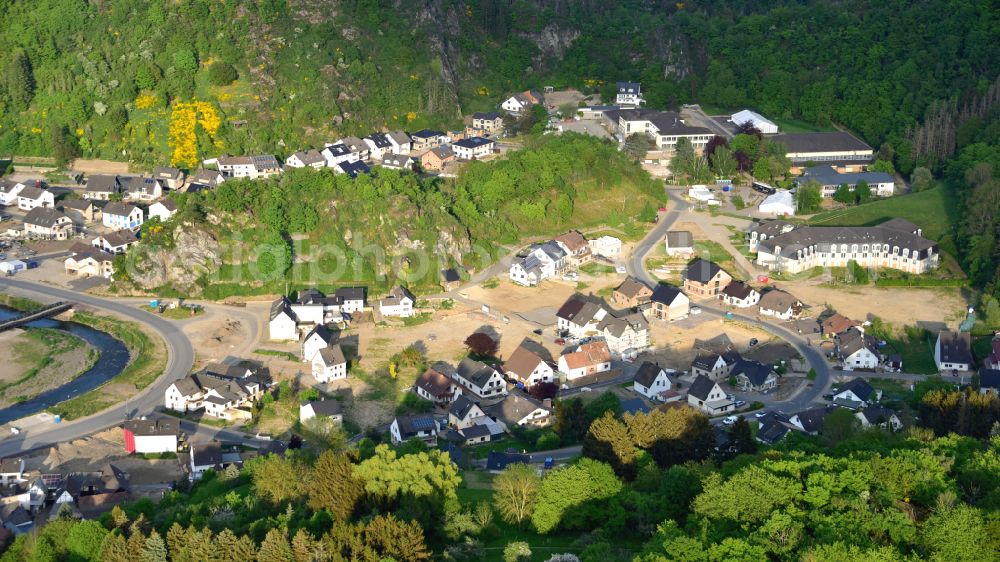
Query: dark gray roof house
[[665, 294], [647, 374], [701, 387], [475, 372], [956, 347], [756, 372], [680, 239], [326, 408], [461, 407], [102, 184], [45, 217], [989, 379], [701, 271]]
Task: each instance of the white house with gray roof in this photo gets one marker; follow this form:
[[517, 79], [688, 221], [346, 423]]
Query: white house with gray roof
[[829, 179], [309, 158], [253, 167], [538, 262], [480, 379]]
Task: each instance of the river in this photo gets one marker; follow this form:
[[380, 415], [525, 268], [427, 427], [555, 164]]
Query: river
[[113, 359]]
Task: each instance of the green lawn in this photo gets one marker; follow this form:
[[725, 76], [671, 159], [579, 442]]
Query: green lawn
[[594, 268], [713, 251], [934, 210]]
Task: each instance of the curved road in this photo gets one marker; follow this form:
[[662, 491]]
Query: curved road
[[636, 267], [180, 358]]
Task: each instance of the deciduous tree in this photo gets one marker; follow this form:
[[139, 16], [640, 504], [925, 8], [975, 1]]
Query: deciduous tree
[[514, 492]]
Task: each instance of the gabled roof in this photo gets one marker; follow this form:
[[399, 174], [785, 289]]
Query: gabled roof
[[167, 203], [701, 387], [102, 184], [78, 204], [859, 387], [812, 420], [756, 372], [617, 325], [350, 293], [522, 362], [499, 460], [434, 383], [325, 407], [323, 332], [665, 294], [354, 169], [837, 323], [955, 347], [514, 408], [773, 427], [426, 134], [777, 300], [853, 340], [206, 454], [680, 239], [989, 378], [165, 173], [474, 142], [205, 176], [476, 372], [738, 290], [701, 271], [399, 137], [573, 240], [876, 414], [442, 152], [120, 238], [647, 374], [629, 87], [279, 306], [45, 217], [412, 425], [490, 116], [120, 209], [32, 192], [588, 354], [310, 156], [632, 287], [461, 407], [332, 355], [380, 140]]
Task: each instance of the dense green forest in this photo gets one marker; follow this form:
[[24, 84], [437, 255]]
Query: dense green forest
[[310, 228], [652, 487]]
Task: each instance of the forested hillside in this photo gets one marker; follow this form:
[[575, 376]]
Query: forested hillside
[[105, 78], [312, 228]]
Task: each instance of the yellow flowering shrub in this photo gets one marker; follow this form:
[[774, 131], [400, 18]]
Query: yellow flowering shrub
[[184, 120], [145, 101]]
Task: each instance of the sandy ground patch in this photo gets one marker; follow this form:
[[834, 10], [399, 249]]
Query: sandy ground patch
[[898, 305], [61, 368], [674, 343], [509, 298], [93, 453], [10, 369]]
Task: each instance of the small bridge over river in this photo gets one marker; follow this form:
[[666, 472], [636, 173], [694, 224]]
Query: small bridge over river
[[44, 312]]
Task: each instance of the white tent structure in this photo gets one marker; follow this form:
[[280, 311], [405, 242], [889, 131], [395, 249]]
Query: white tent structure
[[763, 124], [781, 204]]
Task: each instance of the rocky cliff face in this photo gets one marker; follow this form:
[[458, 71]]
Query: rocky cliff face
[[195, 253]]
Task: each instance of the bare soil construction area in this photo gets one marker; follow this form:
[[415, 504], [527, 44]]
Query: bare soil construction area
[[40, 359], [95, 452], [896, 305]]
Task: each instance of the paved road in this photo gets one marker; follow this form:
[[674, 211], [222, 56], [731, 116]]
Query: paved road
[[180, 358], [636, 268]]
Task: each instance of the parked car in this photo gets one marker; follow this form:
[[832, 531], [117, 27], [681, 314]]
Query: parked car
[[585, 389], [695, 310], [754, 341], [560, 341], [760, 414], [620, 268], [537, 332], [730, 420], [741, 403]]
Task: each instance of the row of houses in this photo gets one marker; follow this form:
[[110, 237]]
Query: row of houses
[[546, 260], [222, 391], [289, 320]]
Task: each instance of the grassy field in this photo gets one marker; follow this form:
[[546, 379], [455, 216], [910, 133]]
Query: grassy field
[[934, 210], [277, 353], [594, 268], [713, 251], [38, 348]]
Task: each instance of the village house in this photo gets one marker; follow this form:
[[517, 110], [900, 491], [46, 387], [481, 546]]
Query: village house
[[650, 381], [204, 178], [706, 395], [169, 178], [632, 293], [679, 244], [580, 316], [754, 376], [329, 364], [989, 381], [894, 244], [491, 122], [761, 123], [351, 299], [119, 215], [664, 128], [399, 303], [282, 323], [703, 278], [739, 294], [829, 180], [212, 456], [992, 360], [224, 392], [321, 409], [606, 246], [35, 196], [101, 187], [421, 426], [337, 153], [378, 145], [463, 412], [714, 365], [426, 138], [9, 190], [669, 303], [838, 149], [858, 350], [576, 247], [144, 436], [309, 158], [81, 211], [450, 279], [528, 367], [434, 386], [780, 305], [400, 141], [836, 324], [352, 169], [138, 188], [11, 471], [117, 242], [856, 394], [480, 379], [311, 307], [357, 147], [318, 338], [538, 262], [878, 416], [519, 409], [629, 94], [588, 359], [402, 162], [953, 351], [625, 335], [473, 148], [88, 261], [163, 209], [521, 102], [48, 223], [253, 167], [435, 159], [810, 421]]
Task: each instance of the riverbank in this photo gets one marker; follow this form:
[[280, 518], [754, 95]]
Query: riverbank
[[147, 360], [41, 359]]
